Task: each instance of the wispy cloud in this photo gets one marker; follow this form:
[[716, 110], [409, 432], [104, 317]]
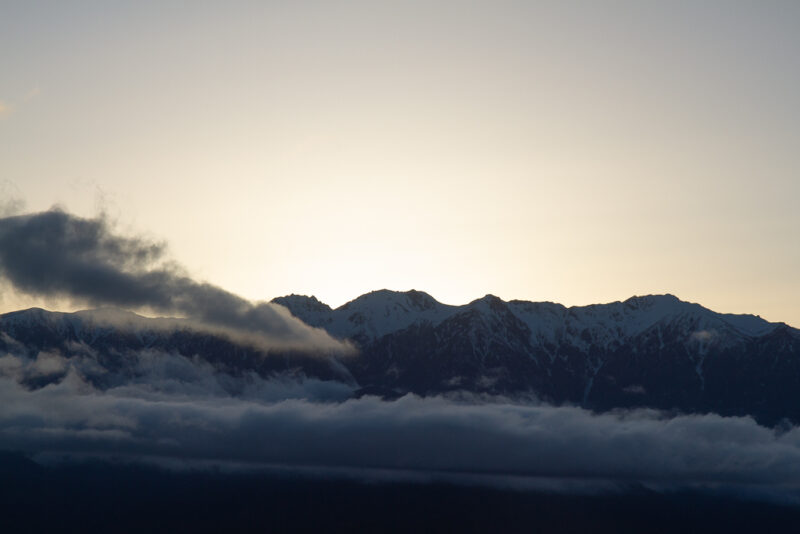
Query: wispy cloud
[[54, 254], [11, 202]]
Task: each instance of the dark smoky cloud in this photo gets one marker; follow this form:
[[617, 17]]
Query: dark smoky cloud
[[177, 411], [56, 254]]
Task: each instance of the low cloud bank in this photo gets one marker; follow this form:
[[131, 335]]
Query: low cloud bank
[[55, 254], [177, 410], [155, 376]]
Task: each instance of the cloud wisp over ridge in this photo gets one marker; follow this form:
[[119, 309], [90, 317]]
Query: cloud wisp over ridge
[[176, 412], [56, 254]]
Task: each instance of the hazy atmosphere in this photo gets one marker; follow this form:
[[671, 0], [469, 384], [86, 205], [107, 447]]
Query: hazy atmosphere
[[575, 152], [440, 266]]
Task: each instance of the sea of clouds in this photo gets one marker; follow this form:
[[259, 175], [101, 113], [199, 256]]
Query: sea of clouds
[[178, 410]]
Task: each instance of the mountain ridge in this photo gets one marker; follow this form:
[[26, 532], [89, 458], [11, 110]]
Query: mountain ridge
[[299, 305], [652, 351]]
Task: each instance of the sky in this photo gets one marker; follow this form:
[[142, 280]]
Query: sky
[[577, 152]]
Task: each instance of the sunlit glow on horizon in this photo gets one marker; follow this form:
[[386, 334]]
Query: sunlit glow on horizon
[[536, 152]]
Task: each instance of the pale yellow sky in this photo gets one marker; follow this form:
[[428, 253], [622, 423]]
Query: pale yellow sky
[[577, 152]]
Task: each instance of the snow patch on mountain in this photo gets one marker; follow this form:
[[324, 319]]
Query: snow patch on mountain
[[605, 326], [370, 316]]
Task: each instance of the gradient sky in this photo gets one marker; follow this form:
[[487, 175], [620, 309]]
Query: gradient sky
[[577, 152]]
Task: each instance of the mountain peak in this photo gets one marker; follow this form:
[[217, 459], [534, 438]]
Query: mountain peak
[[421, 300], [651, 300], [489, 300], [413, 298], [294, 301]]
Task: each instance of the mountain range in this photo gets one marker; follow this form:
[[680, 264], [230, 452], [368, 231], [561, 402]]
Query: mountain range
[[652, 351]]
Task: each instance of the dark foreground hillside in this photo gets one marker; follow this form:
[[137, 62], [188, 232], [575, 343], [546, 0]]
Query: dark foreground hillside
[[99, 497]]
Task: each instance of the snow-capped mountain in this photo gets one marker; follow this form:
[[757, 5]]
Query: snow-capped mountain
[[652, 351], [383, 312], [370, 316]]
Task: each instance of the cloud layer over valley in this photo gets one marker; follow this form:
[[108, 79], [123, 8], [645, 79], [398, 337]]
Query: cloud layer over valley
[[175, 409]]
